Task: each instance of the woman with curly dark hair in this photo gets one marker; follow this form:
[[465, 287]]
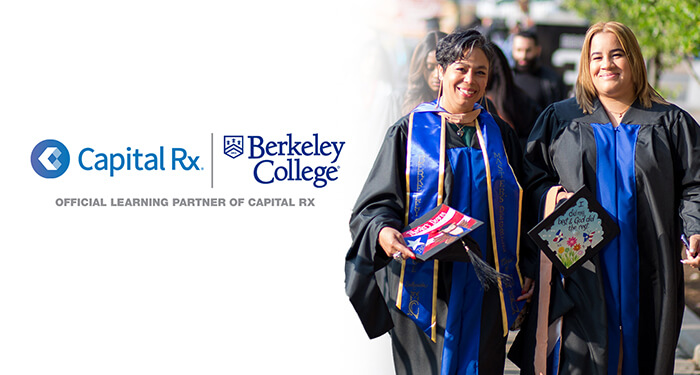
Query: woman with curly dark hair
[[441, 317]]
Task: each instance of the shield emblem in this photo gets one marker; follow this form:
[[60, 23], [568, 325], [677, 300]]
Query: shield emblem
[[233, 145]]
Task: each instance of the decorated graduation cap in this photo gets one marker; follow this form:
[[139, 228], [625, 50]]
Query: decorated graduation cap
[[443, 234], [574, 232]]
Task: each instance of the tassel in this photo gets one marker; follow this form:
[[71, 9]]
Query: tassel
[[486, 274]]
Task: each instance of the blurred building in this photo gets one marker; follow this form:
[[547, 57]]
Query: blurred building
[[681, 85]]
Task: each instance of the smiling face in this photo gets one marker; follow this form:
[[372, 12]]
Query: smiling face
[[464, 81], [610, 69], [430, 73]]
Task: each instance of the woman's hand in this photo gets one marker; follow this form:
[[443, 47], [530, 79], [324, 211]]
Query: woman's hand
[[563, 194], [693, 253], [393, 244], [528, 289]]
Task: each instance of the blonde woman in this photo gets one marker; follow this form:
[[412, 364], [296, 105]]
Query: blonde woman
[[621, 312]]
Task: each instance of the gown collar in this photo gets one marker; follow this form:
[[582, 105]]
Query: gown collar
[[600, 116], [434, 107]]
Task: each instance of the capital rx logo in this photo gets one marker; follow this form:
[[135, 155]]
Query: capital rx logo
[[233, 145], [50, 158]]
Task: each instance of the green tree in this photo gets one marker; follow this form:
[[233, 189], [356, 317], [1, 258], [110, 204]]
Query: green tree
[[668, 30]]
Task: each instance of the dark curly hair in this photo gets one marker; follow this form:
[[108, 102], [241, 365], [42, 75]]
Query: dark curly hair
[[459, 44]]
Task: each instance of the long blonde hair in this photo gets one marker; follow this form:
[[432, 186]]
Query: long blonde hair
[[585, 90]]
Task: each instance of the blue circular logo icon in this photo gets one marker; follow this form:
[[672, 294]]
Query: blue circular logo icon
[[50, 158]]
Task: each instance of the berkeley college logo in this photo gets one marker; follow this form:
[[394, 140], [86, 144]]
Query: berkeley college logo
[[233, 145], [291, 157], [50, 158]]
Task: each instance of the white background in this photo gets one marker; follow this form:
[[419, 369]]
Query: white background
[[180, 290]]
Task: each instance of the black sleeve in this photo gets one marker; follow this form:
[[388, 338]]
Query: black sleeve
[[687, 139], [380, 204], [538, 168], [539, 176]]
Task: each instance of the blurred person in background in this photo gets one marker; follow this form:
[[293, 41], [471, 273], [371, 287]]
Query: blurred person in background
[[511, 103], [621, 312], [541, 83], [423, 82]]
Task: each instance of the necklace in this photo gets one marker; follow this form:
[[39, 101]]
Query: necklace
[[619, 114], [460, 131], [461, 119]]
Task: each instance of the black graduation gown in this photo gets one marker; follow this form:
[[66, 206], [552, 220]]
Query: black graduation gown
[[371, 278], [562, 150]]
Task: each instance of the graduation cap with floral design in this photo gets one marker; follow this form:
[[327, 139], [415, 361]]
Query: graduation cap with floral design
[[574, 232]]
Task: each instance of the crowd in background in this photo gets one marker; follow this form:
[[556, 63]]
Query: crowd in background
[[405, 75], [614, 134]]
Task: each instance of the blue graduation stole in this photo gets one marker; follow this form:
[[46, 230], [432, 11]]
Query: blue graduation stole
[[425, 170], [616, 192]]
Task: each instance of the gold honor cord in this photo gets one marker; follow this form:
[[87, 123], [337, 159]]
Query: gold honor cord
[[517, 244], [407, 204], [441, 166], [440, 197], [409, 146], [520, 217], [492, 221]]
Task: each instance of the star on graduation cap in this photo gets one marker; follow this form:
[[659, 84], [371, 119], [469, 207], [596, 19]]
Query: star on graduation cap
[[415, 244]]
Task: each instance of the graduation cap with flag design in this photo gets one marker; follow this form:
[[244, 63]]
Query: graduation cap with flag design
[[443, 234]]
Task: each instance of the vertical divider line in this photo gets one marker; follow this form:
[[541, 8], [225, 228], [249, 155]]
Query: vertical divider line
[[211, 150]]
